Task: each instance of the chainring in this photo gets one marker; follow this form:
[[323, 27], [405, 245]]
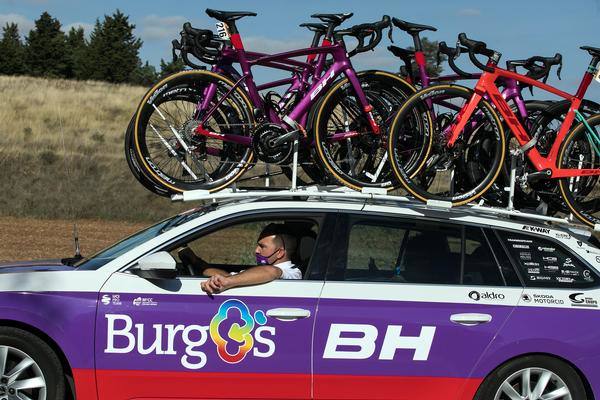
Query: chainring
[[264, 147]]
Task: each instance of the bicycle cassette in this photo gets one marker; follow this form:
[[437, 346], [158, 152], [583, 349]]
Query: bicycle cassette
[[265, 146]]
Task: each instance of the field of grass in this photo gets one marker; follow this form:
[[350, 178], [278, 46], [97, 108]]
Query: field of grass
[[61, 152]]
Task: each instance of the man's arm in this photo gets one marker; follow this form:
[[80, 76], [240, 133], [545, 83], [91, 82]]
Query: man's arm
[[251, 276]]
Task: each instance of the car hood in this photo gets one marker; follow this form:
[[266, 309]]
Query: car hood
[[33, 266]]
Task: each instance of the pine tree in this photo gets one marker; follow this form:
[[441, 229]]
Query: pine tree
[[12, 51], [113, 50], [76, 53], [46, 51], [168, 68], [144, 75], [430, 48]]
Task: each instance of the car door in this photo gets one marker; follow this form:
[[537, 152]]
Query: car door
[[168, 339], [407, 309]]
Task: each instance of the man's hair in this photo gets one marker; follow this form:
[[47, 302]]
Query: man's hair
[[282, 238]]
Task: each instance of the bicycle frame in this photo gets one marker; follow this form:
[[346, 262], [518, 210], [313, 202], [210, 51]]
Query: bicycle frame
[[296, 119], [487, 86]]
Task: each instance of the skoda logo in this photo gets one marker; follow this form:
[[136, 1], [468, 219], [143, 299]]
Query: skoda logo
[[475, 295]]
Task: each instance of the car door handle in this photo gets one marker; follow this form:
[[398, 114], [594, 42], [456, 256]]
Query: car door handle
[[288, 314], [470, 319]]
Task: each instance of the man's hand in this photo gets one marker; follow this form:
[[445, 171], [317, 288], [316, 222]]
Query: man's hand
[[216, 284], [252, 276]]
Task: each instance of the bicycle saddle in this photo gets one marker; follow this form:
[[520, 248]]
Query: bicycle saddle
[[594, 51], [226, 16], [335, 18], [410, 27], [315, 26]]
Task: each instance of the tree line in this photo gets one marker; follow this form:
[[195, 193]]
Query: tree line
[[111, 53]]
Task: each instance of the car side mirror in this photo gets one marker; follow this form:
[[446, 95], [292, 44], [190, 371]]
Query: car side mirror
[[159, 265]]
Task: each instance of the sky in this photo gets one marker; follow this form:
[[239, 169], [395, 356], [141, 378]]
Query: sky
[[518, 29]]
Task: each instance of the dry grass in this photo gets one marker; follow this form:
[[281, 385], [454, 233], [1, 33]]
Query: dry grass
[[63, 116]]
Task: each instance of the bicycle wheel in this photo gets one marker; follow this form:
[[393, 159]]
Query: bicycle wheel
[[134, 165], [581, 150], [169, 150], [345, 142], [450, 174], [544, 126]]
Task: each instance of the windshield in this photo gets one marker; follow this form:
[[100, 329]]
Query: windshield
[[105, 256]]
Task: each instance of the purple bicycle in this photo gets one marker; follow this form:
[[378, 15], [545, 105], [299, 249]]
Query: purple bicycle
[[202, 129]]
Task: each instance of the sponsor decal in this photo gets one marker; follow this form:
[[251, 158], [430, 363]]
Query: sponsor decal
[[561, 235], [535, 270], [546, 299], [536, 229], [540, 278], [587, 275], [525, 256], [579, 243], [546, 249], [531, 264], [526, 298], [581, 300], [520, 246], [568, 262], [124, 336], [144, 301], [358, 342], [551, 268], [114, 299], [564, 279], [488, 295], [569, 272], [550, 259], [515, 240], [241, 334]]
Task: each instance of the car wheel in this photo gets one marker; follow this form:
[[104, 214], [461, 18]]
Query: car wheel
[[532, 378], [29, 369]]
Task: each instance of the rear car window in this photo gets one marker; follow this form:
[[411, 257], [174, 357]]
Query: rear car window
[[545, 263]]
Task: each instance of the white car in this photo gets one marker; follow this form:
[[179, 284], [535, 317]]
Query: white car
[[398, 301]]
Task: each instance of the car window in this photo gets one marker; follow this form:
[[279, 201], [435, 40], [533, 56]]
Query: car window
[[546, 263], [104, 256], [481, 264], [380, 251], [233, 246]]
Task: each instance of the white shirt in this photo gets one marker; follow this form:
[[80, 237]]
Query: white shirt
[[289, 270]]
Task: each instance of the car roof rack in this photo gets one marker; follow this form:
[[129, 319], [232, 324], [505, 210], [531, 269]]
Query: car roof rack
[[372, 195]]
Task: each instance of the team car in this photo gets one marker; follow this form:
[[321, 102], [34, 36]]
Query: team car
[[398, 301]]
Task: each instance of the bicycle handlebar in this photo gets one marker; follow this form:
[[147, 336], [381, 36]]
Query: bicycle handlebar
[[476, 47], [453, 53], [373, 31]]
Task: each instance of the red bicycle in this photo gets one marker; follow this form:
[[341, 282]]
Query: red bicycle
[[465, 141]]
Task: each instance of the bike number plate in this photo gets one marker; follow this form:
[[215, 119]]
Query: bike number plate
[[222, 30]]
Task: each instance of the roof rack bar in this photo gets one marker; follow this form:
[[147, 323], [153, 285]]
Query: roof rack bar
[[340, 192]]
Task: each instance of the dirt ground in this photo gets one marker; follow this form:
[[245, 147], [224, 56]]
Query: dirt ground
[[30, 239]]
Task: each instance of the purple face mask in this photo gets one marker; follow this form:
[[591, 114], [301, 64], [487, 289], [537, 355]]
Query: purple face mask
[[263, 260]]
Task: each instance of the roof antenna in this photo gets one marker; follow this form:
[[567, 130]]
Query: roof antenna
[[76, 240]]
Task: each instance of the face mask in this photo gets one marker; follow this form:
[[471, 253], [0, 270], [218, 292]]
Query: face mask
[[263, 260]]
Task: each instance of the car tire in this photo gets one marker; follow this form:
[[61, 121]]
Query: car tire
[[15, 346], [563, 377]]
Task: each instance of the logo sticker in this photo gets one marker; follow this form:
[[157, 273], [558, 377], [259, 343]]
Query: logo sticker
[[241, 334]]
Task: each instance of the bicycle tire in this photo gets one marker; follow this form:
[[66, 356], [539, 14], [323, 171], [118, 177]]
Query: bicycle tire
[[231, 160], [575, 191], [385, 92], [441, 158]]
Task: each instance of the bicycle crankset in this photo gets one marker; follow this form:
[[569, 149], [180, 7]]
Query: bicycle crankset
[[268, 148]]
